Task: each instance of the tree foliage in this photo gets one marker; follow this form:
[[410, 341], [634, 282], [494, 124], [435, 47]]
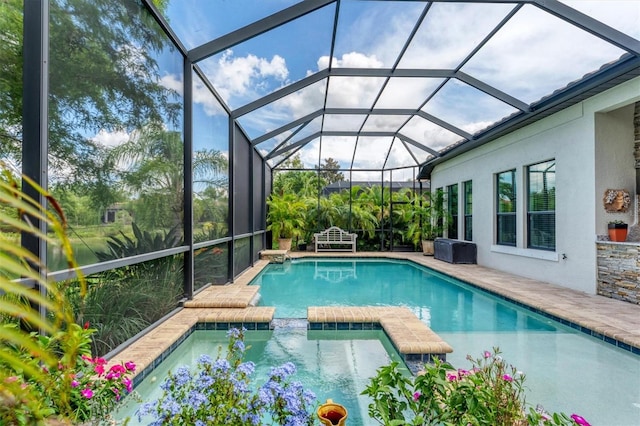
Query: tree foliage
[[103, 75], [329, 171]]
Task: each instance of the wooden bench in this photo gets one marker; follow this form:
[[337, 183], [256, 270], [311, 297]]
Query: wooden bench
[[334, 236]]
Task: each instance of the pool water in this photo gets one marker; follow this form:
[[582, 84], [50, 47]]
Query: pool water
[[567, 371], [333, 364]]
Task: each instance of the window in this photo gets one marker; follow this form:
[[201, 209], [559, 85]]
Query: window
[[452, 209], [438, 211], [506, 208], [541, 206], [468, 210]]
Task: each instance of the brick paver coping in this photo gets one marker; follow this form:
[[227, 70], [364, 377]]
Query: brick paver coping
[[410, 336], [156, 345], [228, 296]]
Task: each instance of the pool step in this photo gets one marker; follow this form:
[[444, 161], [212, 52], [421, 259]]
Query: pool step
[[226, 296], [410, 336], [274, 256]]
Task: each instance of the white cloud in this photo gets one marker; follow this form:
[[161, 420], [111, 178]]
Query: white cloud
[[450, 32], [385, 24], [340, 148], [351, 60], [534, 54], [248, 76], [348, 91], [537, 53], [429, 134], [623, 15], [203, 96], [110, 139], [173, 83]]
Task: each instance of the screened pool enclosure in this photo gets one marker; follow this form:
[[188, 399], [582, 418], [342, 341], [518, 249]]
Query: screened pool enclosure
[[162, 126]]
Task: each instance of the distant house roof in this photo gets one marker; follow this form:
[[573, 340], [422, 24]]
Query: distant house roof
[[395, 186]]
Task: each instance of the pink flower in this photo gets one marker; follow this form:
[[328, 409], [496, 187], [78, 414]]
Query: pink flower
[[74, 383], [87, 393], [462, 373], [579, 420], [87, 358], [487, 354], [11, 379], [129, 386], [130, 365], [101, 361], [451, 377], [118, 369], [416, 395], [507, 378], [99, 369]]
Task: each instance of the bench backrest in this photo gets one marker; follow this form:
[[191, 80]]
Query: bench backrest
[[335, 234]]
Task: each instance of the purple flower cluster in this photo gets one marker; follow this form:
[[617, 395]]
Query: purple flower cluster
[[220, 391]]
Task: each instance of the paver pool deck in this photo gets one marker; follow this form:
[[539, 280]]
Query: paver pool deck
[[610, 318]]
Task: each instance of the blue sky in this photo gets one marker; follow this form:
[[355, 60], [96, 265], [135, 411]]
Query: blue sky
[[532, 55]]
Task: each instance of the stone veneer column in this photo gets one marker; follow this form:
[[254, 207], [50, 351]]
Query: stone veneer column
[[634, 230], [619, 271], [636, 144]]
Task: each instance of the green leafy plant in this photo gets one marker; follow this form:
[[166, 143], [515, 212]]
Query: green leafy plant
[[428, 217], [286, 215], [96, 389], [22, 358], [144, 242], [144, 293], [489, 393], [47, 376], [221, 392]]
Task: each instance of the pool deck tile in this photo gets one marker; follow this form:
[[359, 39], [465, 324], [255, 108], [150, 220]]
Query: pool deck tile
[[605, 318]]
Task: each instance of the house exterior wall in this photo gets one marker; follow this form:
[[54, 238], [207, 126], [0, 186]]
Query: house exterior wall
[[585, 140]]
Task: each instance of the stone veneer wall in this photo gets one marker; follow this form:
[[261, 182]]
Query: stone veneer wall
[[619, 271]]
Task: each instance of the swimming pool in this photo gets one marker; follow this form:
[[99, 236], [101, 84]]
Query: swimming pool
[[334, 365], [566, 370]]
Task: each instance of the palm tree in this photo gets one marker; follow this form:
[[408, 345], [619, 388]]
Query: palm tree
[[151, 165], [285, 217]]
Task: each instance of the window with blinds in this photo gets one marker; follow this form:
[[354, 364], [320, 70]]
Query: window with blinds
[[452, 209], [506, 208], [468, 210], [541, 206]]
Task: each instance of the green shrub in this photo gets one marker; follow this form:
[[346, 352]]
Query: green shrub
[[490, 393]]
